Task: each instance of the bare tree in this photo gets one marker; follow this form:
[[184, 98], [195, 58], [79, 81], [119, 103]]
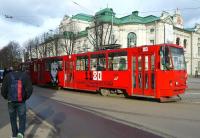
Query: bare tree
[[36, 45], [10, 54], [42, 47], [101, 34], [49, 45], [69, 41], [53, 45], [70, 36], [29, 45]]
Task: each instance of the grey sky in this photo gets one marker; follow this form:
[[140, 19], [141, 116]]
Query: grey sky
[[32, 17]]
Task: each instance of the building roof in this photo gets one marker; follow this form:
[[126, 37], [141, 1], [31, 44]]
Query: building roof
[[134, 18], [189, 29], [107, 15], [83, 17]]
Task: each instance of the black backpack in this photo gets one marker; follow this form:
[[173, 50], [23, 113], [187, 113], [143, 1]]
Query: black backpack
[[16, 91]]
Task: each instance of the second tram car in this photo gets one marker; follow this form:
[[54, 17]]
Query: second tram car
[[157, 71]]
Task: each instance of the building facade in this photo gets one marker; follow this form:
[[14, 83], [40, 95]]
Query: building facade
[[83, 33]]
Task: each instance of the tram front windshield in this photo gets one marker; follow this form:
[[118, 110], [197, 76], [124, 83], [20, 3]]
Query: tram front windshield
[[178, 58], [172, 58]]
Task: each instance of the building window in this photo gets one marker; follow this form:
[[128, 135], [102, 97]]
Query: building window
[[131, 39], [185, 43], [198, 44], [178, 41], [151, 30], [152, 42], [198, 51]]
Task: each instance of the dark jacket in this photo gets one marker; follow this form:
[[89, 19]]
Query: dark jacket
[[25, 80]]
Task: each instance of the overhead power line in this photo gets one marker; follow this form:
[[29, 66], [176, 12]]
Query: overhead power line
[[82, 6]]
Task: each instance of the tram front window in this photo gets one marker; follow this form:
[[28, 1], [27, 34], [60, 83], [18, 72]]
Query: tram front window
[[172, 58], [178, 58]]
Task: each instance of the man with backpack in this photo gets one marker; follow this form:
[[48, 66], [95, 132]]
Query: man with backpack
[[17, 88]]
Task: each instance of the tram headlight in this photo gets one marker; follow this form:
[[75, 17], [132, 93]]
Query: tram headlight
[[176, 83], [170, 83]]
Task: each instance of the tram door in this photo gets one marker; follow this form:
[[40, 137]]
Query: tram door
[[149, 74], [143, 74], [69, 76], [41, 72]]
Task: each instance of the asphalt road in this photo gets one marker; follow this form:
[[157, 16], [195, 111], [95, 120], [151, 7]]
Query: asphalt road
[[177, 119], [80, 114], [72, 122]]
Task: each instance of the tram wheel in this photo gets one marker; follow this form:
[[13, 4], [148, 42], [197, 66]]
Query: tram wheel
[[126, 95], [105, 92]]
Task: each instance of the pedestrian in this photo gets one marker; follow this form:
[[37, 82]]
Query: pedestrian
[[5, 72], [196, 73], [16, 89]]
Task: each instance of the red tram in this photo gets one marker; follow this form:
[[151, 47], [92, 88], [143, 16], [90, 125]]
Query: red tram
[[157, 71]]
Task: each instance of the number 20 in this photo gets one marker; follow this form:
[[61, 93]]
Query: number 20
[[97, 75]]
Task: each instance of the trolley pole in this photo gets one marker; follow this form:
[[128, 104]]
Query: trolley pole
[[164, 33]]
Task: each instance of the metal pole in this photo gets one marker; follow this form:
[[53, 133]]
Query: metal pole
[[191, 54], [164, 33], [112, 31]]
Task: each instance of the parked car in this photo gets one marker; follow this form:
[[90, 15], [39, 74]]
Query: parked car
[[1, 75]]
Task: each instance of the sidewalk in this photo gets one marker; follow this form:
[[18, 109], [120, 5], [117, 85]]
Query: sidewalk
[[35, 127]]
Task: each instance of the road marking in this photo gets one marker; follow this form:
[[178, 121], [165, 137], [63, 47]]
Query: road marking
[[193, 93], [197, 102]]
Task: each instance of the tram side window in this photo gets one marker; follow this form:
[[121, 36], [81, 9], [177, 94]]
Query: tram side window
[[38, 67], [134, 69], [146, 63], [82, 63], [140, 71], [152, 73], [35, 67], [98, 62], [152, 62], [139, 63], [47, 66], [118, 61]]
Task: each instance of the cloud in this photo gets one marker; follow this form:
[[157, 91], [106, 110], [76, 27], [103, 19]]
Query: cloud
[[32, 17], [21, 32], [33, 12]]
